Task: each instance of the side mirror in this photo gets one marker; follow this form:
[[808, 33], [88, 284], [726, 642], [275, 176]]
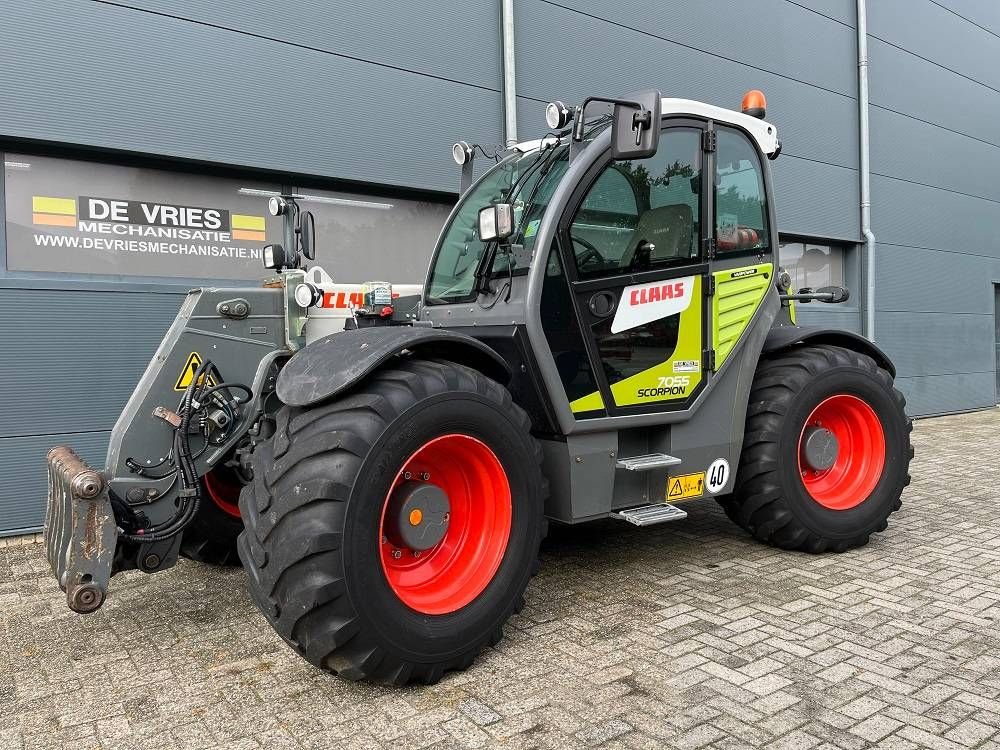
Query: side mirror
[[496, 222], [307, 234], [635, 128], [837, 294]]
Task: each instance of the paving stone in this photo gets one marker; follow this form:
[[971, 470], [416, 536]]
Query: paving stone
[[686, 635]]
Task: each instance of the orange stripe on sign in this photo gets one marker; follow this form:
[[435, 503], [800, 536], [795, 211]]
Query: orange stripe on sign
[[54, 220], [243, 234]]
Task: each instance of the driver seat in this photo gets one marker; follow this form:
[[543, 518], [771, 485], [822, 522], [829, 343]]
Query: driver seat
[[668, 228]]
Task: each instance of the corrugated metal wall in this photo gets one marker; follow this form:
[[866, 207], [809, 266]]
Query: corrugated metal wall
[[935, 148], [377, 92]]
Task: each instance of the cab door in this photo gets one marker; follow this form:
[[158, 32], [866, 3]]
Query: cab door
[[631, 245]]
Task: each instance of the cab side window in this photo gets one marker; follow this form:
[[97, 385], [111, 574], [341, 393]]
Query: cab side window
[[741, 223], [643, 214]]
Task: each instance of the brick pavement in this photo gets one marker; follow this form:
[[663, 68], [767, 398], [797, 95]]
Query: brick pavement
[[686, 635]]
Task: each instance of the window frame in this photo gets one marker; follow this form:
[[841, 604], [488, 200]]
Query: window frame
[[582, 190], [764, 182]]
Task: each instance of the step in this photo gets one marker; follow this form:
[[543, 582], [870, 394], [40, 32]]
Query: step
[[647, 462], [647, 515]]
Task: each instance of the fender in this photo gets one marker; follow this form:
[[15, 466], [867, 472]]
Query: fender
[[334, 363], [781, 338]]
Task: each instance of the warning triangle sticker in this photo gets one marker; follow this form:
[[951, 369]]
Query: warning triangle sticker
[[186, 377], [676, 490]]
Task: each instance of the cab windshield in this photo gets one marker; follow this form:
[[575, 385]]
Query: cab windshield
[[525, 180]]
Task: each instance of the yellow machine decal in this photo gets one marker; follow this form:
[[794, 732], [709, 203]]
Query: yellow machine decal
[[685, 487], [187, 374], [674, 379], [738, 293]]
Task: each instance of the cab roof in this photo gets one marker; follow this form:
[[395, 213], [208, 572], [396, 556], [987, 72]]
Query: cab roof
[[765, 133]]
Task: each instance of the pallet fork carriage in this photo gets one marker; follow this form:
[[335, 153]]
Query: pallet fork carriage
[[604, 332]]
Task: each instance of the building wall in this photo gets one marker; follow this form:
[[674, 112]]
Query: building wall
[[370, 97], [935, 150]]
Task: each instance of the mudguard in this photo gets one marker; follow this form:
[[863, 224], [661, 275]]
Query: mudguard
[[332, 364], [785, 337]]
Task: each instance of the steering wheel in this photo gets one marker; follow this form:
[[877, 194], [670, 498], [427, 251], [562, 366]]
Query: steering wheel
[[591, 254]]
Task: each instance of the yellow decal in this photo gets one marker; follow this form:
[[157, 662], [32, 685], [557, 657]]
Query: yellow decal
[[53, 212], [685, 487], [187, 374]]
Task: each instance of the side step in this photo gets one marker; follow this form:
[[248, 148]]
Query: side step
[[647, 462], [647, 515]]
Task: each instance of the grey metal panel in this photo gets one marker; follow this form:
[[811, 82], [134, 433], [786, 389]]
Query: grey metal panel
[[985, 13], [22, 466], [816, 200], [72, 358], [936, 343], [809, 47], [841, 10], [213, 95], [940, 394], [812, 122], [919, 216], [906, 83], [932, 32], [920, 280], [832, 316], [382, 31], [901, 147]]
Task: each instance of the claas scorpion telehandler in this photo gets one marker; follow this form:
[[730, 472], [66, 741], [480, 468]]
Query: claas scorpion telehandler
[[604, 333]]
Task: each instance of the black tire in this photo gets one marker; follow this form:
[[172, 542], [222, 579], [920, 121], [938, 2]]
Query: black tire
[[312, 515], [211, 537], [770, 499]]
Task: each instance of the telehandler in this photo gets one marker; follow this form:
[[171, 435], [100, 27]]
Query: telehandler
[[604, 332]]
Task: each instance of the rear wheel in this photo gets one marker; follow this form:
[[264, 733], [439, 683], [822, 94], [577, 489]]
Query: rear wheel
[[826, 451], [211, 536], [392, 532]]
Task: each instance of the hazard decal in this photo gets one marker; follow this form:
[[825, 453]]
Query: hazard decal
[[186, 377], [685, 487]]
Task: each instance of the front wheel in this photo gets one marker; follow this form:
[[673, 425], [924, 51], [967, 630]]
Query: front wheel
[[211, 536], [826, 451], [391, 532]]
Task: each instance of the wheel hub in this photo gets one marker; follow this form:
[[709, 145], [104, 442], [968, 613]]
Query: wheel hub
[[417, 516], [819, 448]]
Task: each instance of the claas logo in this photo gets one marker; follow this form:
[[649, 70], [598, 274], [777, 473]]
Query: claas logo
[[657, 293]]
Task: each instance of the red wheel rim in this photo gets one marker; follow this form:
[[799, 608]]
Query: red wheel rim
[[461, 565], [223, 489], [860, 456]]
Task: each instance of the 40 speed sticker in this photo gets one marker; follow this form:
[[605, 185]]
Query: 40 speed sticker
[[718, 475]]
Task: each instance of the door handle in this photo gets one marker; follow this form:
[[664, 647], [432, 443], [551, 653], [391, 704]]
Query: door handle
[[602, 304]]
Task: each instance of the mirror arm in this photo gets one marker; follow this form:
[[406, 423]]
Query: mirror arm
[[578, 116], [482, 275]]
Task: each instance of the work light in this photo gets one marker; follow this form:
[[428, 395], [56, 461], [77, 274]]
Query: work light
[[557, 115], [461, 152], [274, 257], [276, 206], [496, 222]]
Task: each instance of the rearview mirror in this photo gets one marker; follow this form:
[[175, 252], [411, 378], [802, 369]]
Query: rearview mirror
[[635, 128], [496, 222], [307, 234]]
